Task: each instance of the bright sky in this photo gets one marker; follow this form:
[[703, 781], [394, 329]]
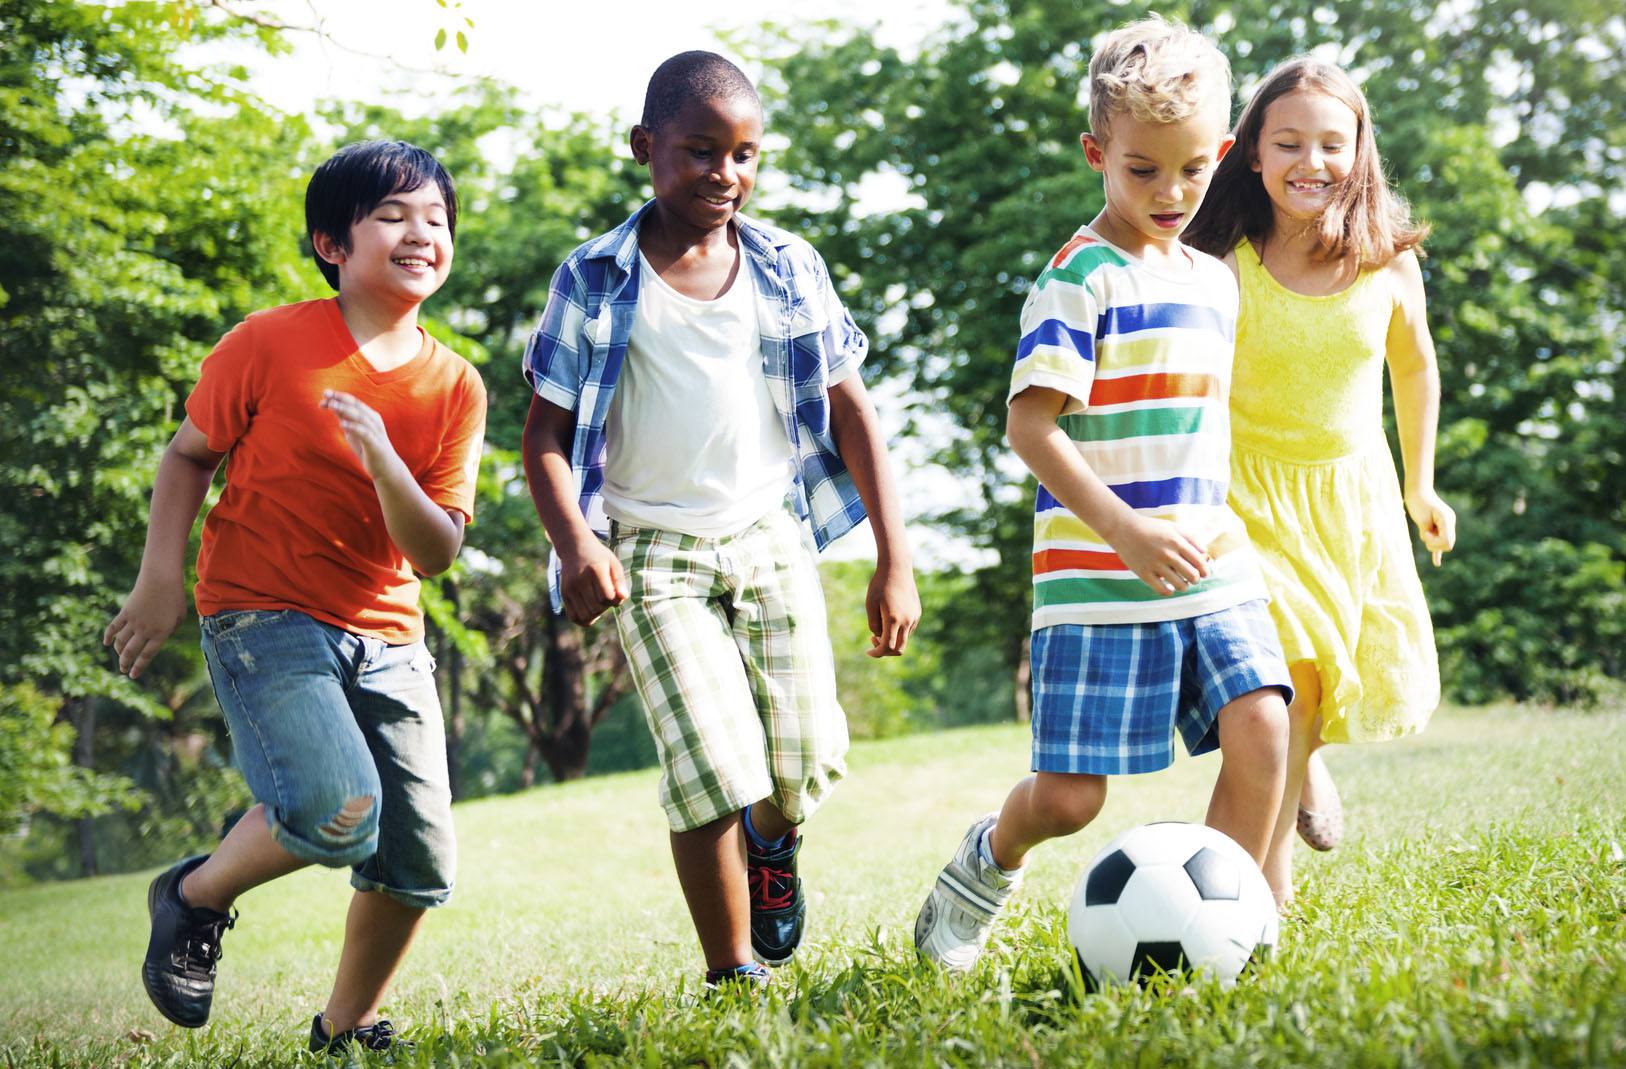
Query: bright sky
[[591, 57]]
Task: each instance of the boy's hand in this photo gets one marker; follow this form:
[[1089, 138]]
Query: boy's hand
[[1164, 557], [150, 615], [363, 432], [1436, 523], [591, 582], [893, 605]]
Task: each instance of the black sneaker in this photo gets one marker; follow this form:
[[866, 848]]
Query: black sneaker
[[750, 977], [378, 1036], [179, 972], [778, 907]]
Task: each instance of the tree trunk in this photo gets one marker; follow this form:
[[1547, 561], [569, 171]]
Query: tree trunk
[[566, 737], [82, 714]]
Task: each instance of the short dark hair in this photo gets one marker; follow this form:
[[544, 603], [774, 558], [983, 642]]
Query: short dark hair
[[691, 76], [355, 179]]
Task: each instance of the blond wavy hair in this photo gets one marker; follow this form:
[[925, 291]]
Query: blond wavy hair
[[1157, 71]]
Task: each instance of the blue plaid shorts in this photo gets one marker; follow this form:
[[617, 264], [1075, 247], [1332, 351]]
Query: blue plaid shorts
[[1107, 698]]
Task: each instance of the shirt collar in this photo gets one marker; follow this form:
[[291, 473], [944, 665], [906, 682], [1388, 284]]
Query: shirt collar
[[621, 244]]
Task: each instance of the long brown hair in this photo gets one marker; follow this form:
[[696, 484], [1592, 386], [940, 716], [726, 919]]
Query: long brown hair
[[1364, 217]]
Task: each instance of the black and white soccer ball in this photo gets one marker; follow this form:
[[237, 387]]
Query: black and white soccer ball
[[1171, 897]]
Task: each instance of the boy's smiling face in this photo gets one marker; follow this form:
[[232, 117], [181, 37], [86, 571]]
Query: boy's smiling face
[[400, 252], [702, 161], [1155, 176]]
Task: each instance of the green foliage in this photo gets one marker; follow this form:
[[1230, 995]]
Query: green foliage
[[1475, 109], [36, 769]]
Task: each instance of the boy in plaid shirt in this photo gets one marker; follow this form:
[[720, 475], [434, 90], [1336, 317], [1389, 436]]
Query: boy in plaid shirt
[[697, 414]]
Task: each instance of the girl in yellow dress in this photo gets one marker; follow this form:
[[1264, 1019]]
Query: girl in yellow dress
[[1327, 261]]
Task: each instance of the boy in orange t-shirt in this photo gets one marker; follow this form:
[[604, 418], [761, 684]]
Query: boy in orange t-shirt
[[353, 439]]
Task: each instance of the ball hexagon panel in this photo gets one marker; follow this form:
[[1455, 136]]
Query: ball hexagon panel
[[1104, 943], [1158, 903]]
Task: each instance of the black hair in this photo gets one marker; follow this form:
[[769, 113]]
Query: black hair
[[691, 76], [355, 179]]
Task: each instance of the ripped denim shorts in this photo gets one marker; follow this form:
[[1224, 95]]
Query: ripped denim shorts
[[341, 740]]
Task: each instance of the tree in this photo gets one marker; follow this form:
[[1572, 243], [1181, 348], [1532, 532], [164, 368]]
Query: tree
[[1477, 112], [130, 252]]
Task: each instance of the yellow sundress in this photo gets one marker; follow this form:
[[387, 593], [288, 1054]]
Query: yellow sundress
[[1313, 479]]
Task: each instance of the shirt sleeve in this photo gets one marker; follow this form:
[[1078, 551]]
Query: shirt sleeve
[[554, 360], [451, 482], [222, 403], [843, 341], [1057, 350]]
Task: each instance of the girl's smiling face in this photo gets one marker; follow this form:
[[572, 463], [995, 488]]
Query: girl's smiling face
[[1306, 148]]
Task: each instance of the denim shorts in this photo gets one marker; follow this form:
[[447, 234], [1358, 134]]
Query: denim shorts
[[1108, 698], [340, 738]]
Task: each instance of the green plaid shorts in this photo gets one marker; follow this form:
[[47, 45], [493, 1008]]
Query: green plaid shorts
[[728, 646]]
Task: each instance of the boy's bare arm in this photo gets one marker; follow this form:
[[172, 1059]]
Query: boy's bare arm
[[157, 604], [427, 534], [892, 603], [1165, 558], [591, 579]]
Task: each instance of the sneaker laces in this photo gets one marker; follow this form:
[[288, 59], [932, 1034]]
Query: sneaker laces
[[200, 950], [377, 1036], [771, 888]]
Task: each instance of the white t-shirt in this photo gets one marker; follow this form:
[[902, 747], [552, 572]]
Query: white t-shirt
[[695, 443]]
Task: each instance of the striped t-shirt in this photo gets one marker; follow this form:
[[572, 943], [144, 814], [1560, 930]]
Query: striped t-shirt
[[1144, 357]]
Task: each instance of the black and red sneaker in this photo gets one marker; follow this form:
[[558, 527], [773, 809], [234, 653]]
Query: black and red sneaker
[[778, 907]]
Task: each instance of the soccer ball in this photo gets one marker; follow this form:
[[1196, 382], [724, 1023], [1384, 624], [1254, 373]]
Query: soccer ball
[[1171, 896]]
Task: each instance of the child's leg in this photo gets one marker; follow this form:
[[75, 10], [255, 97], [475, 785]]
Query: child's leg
[[280, 678], [675, 629], [397, 708], [778, 623], [1253, 746], [710, 862], [1303, 719], [378, 931], [247, 857], [1046, 805]]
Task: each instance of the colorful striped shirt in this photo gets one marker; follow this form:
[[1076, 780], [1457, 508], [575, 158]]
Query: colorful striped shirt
[[1144, 357]]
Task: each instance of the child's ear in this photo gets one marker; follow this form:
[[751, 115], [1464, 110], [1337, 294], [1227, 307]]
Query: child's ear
[[639, 142], [329, 248], [1225, 146], [1094, 152]]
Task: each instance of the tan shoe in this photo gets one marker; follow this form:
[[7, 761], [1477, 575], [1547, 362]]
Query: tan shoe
[[1323, 828]]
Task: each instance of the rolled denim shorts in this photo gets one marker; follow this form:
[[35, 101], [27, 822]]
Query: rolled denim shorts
[[340, 738]]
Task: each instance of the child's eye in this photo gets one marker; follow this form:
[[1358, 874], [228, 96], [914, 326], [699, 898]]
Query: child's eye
[[744, 157], [1286, 146], [701, 153], [1142, 172], [1195, 171]]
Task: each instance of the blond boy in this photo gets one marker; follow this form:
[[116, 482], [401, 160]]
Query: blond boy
[[1149, 612]]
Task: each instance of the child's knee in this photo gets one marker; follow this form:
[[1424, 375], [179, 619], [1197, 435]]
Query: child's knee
[[342, 833], [1069, 802], [1258, 721]]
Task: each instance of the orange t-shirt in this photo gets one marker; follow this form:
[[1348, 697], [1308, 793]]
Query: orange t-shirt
[[299, 525]]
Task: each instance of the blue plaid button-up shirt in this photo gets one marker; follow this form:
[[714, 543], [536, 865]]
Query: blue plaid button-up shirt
[[809, 343]]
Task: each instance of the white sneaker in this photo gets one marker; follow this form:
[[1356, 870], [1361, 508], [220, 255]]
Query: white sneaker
[[954, 923]]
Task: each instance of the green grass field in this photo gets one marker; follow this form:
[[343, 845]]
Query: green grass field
[[1476, 915]]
